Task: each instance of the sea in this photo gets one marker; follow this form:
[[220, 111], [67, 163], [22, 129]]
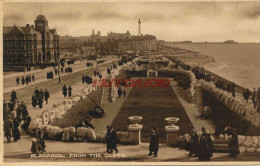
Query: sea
[[239, 63]]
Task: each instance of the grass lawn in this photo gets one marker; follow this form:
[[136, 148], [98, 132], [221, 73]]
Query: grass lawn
[[154, 105]]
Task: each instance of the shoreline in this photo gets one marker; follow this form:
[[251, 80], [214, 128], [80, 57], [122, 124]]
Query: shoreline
[[228, 71]]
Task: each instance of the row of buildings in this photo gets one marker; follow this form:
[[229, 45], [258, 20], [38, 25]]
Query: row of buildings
[[118, 43], [30, 45]]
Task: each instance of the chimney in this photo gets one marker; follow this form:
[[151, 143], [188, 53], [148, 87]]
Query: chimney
[[27, 25]]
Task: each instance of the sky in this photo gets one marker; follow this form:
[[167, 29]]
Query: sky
[[170, 21]]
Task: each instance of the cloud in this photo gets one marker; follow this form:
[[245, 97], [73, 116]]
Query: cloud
[[67, 15], [104, 15], [13, 16]]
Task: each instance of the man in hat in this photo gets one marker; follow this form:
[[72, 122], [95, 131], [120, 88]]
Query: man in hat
[[233, 144], [46, 95], [154, 143]]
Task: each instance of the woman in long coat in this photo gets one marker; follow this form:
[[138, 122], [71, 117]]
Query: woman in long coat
[[64, 91], [34, 100], [233, 144], [16, 133], [204, 150]]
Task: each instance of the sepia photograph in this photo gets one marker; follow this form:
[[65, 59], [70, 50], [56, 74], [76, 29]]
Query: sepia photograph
[[131, 82]]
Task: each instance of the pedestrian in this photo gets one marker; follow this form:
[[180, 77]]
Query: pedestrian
[[33, 77], [40, 101], [19, 113], [124, 93], [64, 91], [35, 146], [24, 113], [108, 139], [16, 132], [36, 91], [113, 140], [95, 73], [11, 105], [27, 80], [34, 100], [23, 80], [13, 96], [70, 89], [17, 80], [233, 144], [6, 112], [46, 96], [247, 94], [41, 93], [40, 141], [27, 122], [204, 149], [154, 143], [193, 145], [119, 92], [23, 106], [100, 76], [254, 98], [8, 128]]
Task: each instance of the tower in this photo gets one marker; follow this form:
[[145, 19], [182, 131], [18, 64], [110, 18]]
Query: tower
[[139, 27]]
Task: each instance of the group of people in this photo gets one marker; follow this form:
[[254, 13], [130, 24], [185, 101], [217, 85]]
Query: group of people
[[38, 143], [66, 90], [86, 79], [38, 97], [25, 80], [202, 147], [12, 120], [50, 75], [97, 74], [121, 92]]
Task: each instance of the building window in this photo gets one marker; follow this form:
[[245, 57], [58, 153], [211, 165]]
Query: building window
[[16, 43], [9, 43], [22, 43], [9, 52]]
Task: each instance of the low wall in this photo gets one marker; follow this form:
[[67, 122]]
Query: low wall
[[243, 110]]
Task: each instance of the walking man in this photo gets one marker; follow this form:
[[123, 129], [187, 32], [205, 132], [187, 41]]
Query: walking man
[[46, 96], [124, 93], [69, 89], [17, 80], [154, 143], [113, 140], [13, 96], [108, 139]]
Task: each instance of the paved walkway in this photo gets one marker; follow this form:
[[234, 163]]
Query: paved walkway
[[192, 109]]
